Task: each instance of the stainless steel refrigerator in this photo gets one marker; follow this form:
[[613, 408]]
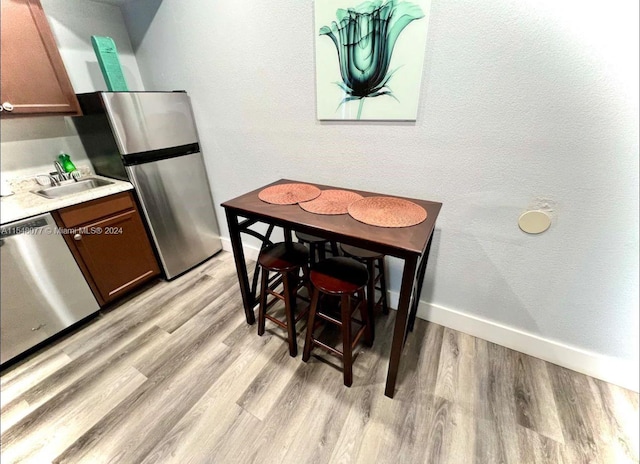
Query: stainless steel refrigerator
[[150, 139]]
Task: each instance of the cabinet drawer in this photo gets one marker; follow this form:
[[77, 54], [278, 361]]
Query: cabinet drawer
[[96, 209]]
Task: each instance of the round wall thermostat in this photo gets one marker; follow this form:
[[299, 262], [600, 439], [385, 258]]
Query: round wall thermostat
[[534, 222]]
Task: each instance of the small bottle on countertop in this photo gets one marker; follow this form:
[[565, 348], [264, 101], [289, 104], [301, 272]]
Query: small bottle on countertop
[[66, 162]]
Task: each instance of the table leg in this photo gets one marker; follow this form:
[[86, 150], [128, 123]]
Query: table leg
[[241, 266], [288, 236], [400, 327], [371, 297], [419, 281]]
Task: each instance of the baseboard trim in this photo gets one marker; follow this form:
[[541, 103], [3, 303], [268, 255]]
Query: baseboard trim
[[616, 371], [250, 252], [613, 370]]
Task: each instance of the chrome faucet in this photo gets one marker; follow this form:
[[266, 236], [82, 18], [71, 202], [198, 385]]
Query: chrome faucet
[[61, 174], [53, 180]]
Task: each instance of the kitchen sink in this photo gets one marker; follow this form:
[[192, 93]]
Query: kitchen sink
[[75, 187]]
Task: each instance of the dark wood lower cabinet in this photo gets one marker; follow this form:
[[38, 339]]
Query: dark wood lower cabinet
[[110, 244]]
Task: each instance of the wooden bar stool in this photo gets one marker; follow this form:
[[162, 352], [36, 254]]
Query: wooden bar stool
[[317, 246], [377, 276], [344, 278], [286, 260]]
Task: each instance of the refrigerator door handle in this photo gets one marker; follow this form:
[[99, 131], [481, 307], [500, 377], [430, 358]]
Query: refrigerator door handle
[[158, 155]]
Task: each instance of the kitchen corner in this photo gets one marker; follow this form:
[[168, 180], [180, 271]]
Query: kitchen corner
[[140, 208], [67, 250]]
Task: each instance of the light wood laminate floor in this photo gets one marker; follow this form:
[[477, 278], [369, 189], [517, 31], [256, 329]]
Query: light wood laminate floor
[[175, 375]]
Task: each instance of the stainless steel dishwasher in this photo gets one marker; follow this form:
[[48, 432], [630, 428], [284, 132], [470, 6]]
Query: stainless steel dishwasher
[[42, 290]]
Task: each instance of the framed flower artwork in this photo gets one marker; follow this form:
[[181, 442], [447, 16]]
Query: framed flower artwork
[[369, 58]]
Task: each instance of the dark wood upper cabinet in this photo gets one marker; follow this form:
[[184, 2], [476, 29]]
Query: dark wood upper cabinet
[[34, 79], [110, 244]]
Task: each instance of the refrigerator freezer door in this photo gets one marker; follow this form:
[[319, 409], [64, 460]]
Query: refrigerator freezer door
[[146, 121], [176, 201]]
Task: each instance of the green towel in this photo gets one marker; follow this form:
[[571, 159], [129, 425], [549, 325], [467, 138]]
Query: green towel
[[107, 54]]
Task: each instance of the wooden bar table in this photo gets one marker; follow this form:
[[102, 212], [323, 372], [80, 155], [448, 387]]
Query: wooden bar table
[[410, 244]]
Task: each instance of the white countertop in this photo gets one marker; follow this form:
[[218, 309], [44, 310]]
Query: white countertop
[[25, 204]]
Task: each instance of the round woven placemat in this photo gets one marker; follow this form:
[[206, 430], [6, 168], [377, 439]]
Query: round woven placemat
[[331, 202], [387, 212], [288, 194]]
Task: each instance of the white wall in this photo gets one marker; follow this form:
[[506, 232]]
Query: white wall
[[523, 104], [73, 22], [29, 146]]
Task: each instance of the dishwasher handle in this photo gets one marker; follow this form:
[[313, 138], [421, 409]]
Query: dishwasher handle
[[36, 225]]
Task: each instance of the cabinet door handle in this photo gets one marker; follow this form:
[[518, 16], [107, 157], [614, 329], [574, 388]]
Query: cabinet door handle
[[77, 237], [7, 106]]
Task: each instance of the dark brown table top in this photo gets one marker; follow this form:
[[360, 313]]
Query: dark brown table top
[[399, 241]]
